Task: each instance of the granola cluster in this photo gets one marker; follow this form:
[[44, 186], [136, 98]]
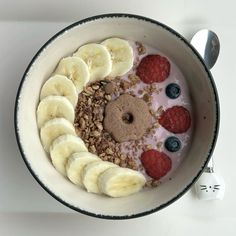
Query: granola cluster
[[89, 125]]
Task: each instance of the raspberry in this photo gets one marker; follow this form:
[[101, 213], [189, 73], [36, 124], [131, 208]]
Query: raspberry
[[156, 164], [175, 119], [153, 68]]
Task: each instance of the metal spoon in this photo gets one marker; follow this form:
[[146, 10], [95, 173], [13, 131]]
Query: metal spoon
[[208, 45]]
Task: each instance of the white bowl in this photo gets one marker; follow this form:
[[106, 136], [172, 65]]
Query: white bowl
[[203, 95]]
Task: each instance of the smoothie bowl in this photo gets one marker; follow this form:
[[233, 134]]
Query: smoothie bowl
[[116, 116]]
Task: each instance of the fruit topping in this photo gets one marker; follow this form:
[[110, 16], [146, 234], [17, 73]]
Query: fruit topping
[[120, 182], [172, 144], [153, 68], [173, 90], [97, 58], [121, 55], [76, 70], [175, 119], [156, 164]]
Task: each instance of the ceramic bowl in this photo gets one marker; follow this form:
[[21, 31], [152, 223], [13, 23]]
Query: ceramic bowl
[[204, 101]]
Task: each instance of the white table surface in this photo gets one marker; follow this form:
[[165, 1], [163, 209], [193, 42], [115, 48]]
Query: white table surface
[[24, 205]]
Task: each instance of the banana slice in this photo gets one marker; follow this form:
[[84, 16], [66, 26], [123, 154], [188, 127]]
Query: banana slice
[[54, 107], [91, 172], [62, 148], [75, 69], [53, 129], [76, 164], [97, 58], [120, 182], [121, 55], [62, 86]]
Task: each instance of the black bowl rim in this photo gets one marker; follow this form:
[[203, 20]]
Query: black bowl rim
[[216, 129]]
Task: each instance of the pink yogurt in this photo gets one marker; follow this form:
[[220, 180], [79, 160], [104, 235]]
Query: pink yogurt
[[158, 100]]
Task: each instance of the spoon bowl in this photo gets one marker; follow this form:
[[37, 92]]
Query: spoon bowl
[[207, 44]]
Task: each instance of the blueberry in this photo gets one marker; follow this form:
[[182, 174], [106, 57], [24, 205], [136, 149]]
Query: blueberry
[[172, 144], [173, 90]]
